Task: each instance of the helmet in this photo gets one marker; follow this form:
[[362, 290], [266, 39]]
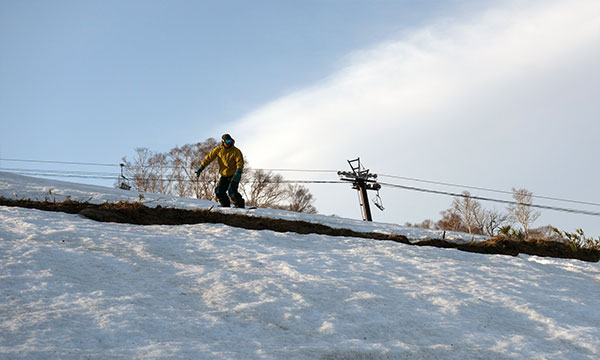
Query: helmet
[[227, 140]]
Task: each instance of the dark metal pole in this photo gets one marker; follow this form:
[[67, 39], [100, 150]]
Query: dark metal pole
[[365, 200]]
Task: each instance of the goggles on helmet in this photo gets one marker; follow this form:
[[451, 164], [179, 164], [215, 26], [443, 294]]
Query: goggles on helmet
[[228, 141]]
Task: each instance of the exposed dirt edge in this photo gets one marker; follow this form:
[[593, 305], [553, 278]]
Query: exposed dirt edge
[[137, 213], [505, 246]]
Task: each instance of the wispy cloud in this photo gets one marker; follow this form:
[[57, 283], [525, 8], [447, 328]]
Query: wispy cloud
[[447, 98], [397, 87]]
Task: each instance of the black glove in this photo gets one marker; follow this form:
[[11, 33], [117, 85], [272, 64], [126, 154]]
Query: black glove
[[238, 175], [199, 171]]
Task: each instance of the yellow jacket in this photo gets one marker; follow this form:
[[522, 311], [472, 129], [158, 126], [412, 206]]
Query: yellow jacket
[[229, 159]]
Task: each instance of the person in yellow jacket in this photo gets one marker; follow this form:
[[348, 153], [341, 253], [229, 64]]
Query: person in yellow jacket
[[231, 166]]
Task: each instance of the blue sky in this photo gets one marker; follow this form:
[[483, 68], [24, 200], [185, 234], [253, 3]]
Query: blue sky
[[72, 68], [496, 94]]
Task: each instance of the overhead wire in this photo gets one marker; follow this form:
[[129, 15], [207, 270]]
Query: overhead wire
[[488, 189], [58, 162], [299, 170], [575, 211], [165, 166], [99, 177], [58, 172], [111, 176]]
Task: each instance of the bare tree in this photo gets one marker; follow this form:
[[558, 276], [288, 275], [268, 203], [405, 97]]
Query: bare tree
[[204, 187], [450, 221], [185, 161], [264, 189], [148, 171], [425, 224], [300, 199], [492, 221], [160, 174], [180, 171], [545, 233], [522, 212], [140, 169], [470, 212]]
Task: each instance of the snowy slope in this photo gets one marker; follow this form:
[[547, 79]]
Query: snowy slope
[[72, 288], [17, 187]]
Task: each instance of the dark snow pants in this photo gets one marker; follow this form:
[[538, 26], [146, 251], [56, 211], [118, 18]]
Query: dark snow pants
[[225, 187]]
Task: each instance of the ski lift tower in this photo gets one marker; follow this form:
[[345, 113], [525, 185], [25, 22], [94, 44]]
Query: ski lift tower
[[362, 181]]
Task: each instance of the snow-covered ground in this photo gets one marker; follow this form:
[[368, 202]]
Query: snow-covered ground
[[17, 187], [72, 288]]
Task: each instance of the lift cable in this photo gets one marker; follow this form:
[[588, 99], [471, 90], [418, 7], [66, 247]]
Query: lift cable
[[490, 190], [58, 162], [81, 174], [115, 176], [574, 211]]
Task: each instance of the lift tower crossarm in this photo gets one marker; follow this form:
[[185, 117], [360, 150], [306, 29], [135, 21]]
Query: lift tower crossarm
[[362, 181]]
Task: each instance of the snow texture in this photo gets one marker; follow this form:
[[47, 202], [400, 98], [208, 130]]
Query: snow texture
[[16, 187], [72, 288]]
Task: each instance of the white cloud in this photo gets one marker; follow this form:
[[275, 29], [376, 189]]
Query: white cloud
[[408, 106], [397, 86]]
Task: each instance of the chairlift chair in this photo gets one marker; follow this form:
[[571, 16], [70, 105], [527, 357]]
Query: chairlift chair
[[123, 181]]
